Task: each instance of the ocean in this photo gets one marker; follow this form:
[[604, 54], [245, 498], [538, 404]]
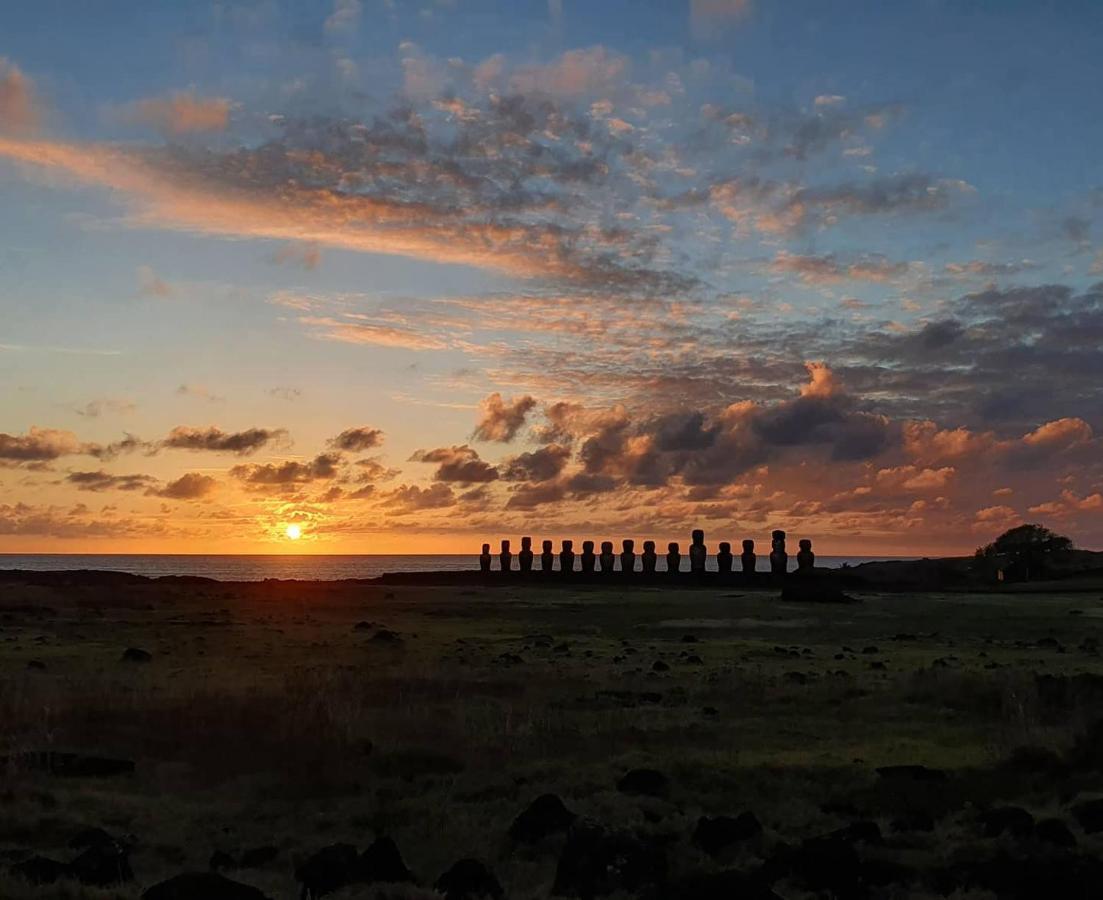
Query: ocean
[[306, 567]]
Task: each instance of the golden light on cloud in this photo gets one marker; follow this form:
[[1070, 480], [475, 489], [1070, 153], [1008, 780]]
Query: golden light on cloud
[[293, 532]]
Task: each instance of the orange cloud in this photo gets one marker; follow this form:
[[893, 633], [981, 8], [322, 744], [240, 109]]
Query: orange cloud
[[19, 112], [182, 113]]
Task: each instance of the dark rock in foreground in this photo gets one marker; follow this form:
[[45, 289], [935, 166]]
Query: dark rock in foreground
[[136, 655], [596, 862], [469, 879], [202, 886], [715, 834], [40, 870], [103, 865], [382, 862], [649, 782], [546, 815], [327, 870], [71, 765]]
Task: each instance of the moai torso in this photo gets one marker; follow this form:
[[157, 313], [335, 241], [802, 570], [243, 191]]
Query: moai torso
[[547, 558], [649, 558], [485, 558], [724, 558], [505, 558], [607, 560], [779, 559], [748, 558], [806, 559], [566, 558], [628, 558], [588, 558], [698, 553], [524, 558], [673, 558]]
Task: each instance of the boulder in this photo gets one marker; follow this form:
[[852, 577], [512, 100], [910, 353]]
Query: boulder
[[1055, 832], [596, 862], [469, 879], [382, 862], [257, 856], [327, 870], [103, 865], [546, 815], [715, 834], [648, 782], [202, 886], [136, 655], [1014, 820], [1089, 815], [40, 870]]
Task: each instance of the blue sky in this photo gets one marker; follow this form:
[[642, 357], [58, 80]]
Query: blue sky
[[311, 217]]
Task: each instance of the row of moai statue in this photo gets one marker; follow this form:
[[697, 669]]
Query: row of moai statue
[[605, 561]]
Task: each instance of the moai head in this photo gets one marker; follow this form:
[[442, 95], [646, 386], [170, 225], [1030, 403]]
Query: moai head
[[486, 548], [629, 545], [547, 546], [748, 546], [806, 545], [526, 543], [725, 547], [648, 546], [505, 546], [778, 537], [587, 546], [568, 546], [606, 546], [698, 537], [672, 547]]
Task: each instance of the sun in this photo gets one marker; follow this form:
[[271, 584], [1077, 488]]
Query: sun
[[293, 532]]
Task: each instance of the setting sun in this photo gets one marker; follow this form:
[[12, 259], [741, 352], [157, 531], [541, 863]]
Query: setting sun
[[293, 532]]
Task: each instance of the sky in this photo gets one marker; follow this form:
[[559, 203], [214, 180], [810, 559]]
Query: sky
[[412, 276]]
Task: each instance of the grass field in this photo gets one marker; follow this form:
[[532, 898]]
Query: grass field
[[301, 715]]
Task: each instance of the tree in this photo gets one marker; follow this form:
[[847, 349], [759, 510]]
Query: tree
[[1030, 548]]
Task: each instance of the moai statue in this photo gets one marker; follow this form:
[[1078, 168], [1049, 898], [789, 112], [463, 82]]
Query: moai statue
[[724, 558], [547, 558], [607, 559], [748, 558], [524, 558], [505, 557], [673, 558], [806, 559], [779, 559], [698, 553], [566, 558], [588, 558], [628, 557], [649, 558], [485, 558]]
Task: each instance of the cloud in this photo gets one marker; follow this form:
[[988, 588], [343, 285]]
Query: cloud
[[291, 472], [538, 465], [457, 464], [307, 255], [500, 420], [19, 110], [201, 392], [39, 445], [285, 393], [151, 285], [103, 481], [189, 486], [181, 113], [93, 409], [408, 499], [352, 332], [345, 17], [710, 19], [357, 440], [215, 440]]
